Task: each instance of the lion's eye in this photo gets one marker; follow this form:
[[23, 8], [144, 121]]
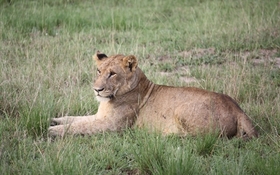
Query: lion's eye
[[112, 74], [98, 72]]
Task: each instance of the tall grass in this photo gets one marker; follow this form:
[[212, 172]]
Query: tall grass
[[47, 71]]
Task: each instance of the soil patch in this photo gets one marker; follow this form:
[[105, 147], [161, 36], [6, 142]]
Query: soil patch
[[259, 57]]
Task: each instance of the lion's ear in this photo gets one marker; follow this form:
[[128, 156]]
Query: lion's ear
[[130, 62], [99, 56]]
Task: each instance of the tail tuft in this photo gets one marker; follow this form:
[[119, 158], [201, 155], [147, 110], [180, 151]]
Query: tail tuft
[[245, 129]]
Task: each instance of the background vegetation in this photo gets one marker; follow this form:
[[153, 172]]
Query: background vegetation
[[46, 69]]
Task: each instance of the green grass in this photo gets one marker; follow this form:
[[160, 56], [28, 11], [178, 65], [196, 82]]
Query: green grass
[[47, 71]]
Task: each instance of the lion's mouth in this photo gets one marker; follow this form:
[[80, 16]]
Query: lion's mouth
[[109, 96], [105, 96]]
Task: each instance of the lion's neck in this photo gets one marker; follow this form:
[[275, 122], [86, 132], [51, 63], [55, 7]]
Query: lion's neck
[[147, 94], [139, 94], [144, 88]]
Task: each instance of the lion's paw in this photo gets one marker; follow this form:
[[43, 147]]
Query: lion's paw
[[56, 131], [54, 122]]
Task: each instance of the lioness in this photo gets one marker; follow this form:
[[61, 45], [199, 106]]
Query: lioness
[[127, 98]]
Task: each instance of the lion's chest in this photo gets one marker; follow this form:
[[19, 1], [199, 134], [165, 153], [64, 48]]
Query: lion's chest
[[105, 110]]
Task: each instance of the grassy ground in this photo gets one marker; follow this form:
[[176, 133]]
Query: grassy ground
[[46, 69]]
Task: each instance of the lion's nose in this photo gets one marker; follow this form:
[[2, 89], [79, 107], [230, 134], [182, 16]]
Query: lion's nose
[[98, 89]]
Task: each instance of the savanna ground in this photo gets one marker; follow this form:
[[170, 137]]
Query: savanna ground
[[47, 71]]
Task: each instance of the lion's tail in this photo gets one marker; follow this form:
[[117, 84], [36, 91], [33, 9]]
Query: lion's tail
[[245, 128]]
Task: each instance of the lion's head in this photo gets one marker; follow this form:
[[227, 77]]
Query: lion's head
[[117, 75]]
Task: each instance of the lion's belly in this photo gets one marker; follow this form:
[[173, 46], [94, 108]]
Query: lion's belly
[[157, 120], [185, 113], [182, 120]]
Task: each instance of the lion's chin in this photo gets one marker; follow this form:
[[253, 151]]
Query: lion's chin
[[103, 99]]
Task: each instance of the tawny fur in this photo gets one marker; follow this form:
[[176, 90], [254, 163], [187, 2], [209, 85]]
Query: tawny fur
[[128, 99]]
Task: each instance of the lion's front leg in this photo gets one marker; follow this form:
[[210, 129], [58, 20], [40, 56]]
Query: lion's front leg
[[59, 126], [83, 126], [58, 130], [68, 119]]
